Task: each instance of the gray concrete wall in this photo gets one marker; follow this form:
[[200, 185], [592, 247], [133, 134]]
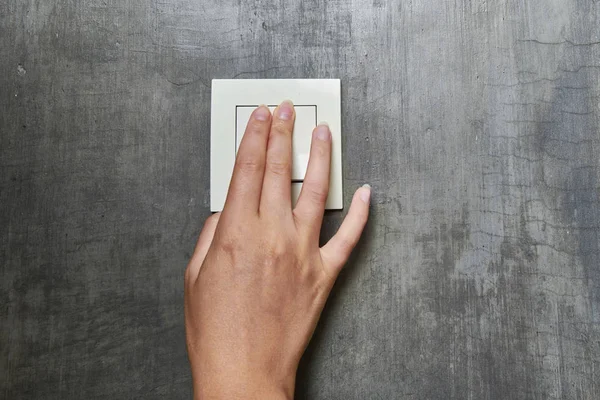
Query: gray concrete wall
[[476, 122]]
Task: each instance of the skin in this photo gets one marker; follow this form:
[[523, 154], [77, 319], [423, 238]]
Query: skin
[[258, 280]]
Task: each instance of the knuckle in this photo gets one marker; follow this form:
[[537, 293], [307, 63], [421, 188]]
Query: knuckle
[[316, 193], [321, 149], [228, 243], [275, 251], [281, 127], [279, 167], [248, 164], [256, 126]]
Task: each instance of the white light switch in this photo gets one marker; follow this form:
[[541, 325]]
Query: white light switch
[[306, 121], [233, 101]]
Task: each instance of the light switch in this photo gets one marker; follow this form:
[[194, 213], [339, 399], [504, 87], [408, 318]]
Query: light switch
[[306, 121], [233, 101]]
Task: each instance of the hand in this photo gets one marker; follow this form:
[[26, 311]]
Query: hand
[[257, 281]]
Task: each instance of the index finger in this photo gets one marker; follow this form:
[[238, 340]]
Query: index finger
[[246, 182]]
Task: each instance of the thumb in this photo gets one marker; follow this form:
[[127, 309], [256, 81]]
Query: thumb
[[336, 252]]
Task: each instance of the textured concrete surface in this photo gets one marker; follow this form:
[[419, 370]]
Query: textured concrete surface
[[476, 122]]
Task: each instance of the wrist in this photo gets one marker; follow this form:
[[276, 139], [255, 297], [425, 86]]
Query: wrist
[[242, 393], [242, 387]]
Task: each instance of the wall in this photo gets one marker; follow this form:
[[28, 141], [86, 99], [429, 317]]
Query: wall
[[476, 122]]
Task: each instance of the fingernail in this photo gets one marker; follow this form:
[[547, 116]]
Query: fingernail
[[365, 195], [285, 110], [262, 113], [322, 132]]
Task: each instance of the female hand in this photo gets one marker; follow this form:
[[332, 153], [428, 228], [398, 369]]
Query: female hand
[[258, 280]]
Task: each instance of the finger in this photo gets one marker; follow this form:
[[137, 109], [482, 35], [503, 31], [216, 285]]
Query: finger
[[311, 203], [277, 184], [336, 252], [204, 242], [246, 181]]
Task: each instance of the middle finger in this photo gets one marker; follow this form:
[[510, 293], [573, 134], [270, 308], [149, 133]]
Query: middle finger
[[277, 184]]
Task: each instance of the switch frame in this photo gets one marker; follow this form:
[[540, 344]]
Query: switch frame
[[228, 94]]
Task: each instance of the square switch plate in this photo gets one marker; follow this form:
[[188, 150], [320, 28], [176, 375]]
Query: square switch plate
[[233, 101]]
